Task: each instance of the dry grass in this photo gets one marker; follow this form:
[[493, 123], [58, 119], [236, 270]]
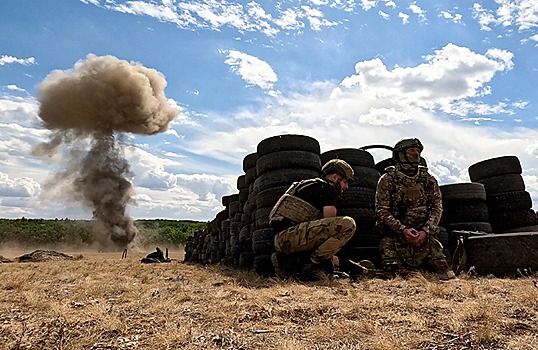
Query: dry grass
[[104, 302]]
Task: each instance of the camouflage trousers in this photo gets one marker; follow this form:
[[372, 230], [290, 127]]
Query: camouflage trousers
[[323, 237], [396, 252]]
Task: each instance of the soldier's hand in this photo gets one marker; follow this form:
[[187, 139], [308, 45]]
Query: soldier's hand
[[409, 235], [420, 238]]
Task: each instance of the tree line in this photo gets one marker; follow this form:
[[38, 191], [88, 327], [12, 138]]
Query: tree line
[[25, 231]]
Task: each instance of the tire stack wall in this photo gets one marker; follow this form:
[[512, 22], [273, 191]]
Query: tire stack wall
[[465, 209], [358, 202], [510, 206], [281, 161], [244, 249]]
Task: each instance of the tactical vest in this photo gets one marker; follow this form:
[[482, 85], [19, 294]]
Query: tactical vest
[[409, 198], [294, 208]]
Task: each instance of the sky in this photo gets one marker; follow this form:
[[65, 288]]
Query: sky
[[459, 75]]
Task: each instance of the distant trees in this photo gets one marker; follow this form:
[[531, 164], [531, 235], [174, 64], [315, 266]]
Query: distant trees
[[79, 232]]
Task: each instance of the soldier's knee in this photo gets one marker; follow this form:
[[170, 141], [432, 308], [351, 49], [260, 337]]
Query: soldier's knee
[[349, 224]]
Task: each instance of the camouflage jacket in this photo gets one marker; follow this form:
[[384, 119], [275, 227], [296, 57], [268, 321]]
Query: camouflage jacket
[[408, 201]]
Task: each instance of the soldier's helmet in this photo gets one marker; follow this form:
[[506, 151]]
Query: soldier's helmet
[[404, 143], [340, 167]]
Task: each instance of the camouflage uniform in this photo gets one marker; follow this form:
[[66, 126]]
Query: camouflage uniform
[[310, 232], [404, 201], [324, 237]]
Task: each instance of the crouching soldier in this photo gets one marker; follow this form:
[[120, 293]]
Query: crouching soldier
[[309, 232]]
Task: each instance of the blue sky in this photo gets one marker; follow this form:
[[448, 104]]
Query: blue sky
[[459, 75]]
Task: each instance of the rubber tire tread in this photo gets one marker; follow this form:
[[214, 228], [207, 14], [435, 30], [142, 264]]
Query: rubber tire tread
[[365, 177], [282, 177], [508, 220], [502, 254], [269, 197], [503, 183], [468, 211], [517, 200], [250, 161], [288, 159], [353, 156], [288, 142], [463, 191], [358, 197], [263, 265], [494, 167]]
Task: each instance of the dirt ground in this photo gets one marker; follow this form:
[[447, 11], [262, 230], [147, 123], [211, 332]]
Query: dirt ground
[[105, 302]]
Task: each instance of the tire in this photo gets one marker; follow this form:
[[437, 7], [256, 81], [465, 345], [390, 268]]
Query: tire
[[507, 220], [353, 156], [246, 260], [494, 167], [262, 217], [358, 197], [463, 191], [366, 235], [249, 161], [503, 183], [466, 211], [226, 200], [263, 265], [502, 254], [269, 197], [263, 241], [509, 201], [288, 142], [365, 177], [288, 159], [282, 177], [360, 215]]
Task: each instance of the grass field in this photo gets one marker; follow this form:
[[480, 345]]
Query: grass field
[[104, 302]]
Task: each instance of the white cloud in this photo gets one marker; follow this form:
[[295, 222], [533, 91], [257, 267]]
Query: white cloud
[[417, 10], [18, 187], [522, 14], [251, 69], [368, 4], [404, 17], [384, 15], [5, 59]]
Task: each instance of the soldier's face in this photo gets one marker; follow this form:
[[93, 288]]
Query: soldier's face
[[413, 154], [341, 185]]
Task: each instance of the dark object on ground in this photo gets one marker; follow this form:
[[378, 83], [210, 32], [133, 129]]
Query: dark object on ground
[[46, 255], [156, 257], [4, 260]]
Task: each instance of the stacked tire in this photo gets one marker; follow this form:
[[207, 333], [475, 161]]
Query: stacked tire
[[281, 161], [358, 202], [508, 203], [464, 209], [244, 249]]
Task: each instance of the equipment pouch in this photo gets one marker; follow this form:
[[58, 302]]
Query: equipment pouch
[[294, 209]]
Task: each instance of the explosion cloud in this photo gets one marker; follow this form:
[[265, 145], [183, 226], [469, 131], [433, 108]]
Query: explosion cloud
[[94, 104]]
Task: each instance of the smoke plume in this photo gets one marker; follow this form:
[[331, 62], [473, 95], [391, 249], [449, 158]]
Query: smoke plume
[[89, 108]]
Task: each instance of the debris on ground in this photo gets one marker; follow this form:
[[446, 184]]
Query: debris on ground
[[46, 255], [4, 260], [156, 257]]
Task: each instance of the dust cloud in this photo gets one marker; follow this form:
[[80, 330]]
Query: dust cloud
[[89, 109]]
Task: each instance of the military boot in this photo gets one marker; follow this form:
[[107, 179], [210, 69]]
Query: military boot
[[282, 264]]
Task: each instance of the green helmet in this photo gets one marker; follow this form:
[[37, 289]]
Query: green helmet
[[404, 143], [340, 167]]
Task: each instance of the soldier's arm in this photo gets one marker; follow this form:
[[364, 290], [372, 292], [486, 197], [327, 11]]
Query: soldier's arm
[[436, 205], [383, 202], [329, 211]]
